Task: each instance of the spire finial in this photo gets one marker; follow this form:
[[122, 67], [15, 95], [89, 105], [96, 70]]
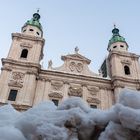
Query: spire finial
[[114, 25], [36, 15], [76, 49], [38, 10], [115, 31]]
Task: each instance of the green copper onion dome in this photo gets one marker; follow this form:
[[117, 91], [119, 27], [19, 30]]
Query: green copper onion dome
[[34, 21], [116, 37]]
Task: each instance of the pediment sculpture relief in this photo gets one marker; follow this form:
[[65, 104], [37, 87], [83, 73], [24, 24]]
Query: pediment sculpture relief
[[74, 66], [55, 95], [75, 91]]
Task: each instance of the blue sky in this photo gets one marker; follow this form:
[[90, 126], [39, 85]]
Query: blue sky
[[69, 23]]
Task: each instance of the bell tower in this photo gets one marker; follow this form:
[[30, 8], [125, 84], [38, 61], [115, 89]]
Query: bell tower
[[123, 66], [22, 65], [27, 46], [117, 42]]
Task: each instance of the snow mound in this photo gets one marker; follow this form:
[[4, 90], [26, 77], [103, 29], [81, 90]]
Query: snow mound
[[73, 119]]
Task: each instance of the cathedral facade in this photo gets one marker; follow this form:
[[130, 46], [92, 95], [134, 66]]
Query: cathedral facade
[[24, 83]]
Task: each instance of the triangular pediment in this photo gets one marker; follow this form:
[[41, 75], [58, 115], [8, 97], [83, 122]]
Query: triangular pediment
[[76, 56]]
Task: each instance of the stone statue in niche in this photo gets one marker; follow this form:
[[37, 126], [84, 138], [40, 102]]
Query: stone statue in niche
[[75, 91]]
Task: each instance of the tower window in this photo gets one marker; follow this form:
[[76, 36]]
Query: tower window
[[93, 106], [126, 70], [24, 53], [24, 30], [114, 47], [12, 95], [31, 30], [37, 33], [55, 101], [121, 46]]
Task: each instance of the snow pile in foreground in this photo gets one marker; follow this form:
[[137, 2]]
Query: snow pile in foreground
[[73, 120]]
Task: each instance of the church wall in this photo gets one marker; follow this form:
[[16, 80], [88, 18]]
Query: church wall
[[59, 86], [4, 78]]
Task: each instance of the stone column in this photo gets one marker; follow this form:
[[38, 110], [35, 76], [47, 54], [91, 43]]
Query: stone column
[[85, 92], [116, 93], [4, 79], [46, 90], [28, 92], [65, 90], [40, 89]]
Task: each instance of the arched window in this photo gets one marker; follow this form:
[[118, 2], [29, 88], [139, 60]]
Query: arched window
[[126, 70], [114, 47], [24, 53], [121, 46]]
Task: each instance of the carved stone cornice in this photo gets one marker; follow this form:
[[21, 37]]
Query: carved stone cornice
[[15, 84], [6, 68], [120, 85], [93, 100], [122, 82], [19, 63], [55, 95], [48, 80], [32, 72], [124, 54], [84, 84], [41, 78], [18, 107], [21, 107], [124, 79], [72, 77], [28, 37]]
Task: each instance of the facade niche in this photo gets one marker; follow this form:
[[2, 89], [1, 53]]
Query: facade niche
[[24, 53], [126, 70]]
